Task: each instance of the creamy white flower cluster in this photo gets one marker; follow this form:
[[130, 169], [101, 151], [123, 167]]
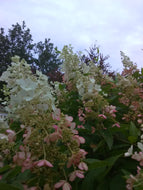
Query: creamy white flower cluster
[[26, 89], [82, 75]]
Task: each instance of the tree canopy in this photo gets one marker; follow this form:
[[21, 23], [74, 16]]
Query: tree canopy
[[18, 41]]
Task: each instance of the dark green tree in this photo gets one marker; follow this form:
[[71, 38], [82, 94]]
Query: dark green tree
[[43, 55], [93, 54], [19, 42], [48, 59], [5, 53]]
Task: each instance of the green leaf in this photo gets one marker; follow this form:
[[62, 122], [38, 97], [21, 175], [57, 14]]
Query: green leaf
[[12, 173], [24, 176], [106, 134], [104, 185], [132, 139], [4, 169], [95, 163], [4, 186], [91, 179], [117, 182], [133, 130], [62, 86]]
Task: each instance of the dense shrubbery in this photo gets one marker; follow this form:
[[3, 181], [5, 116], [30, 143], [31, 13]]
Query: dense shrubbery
[[83, 133]]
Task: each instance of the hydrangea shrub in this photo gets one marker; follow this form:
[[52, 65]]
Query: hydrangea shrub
[[82, 133]]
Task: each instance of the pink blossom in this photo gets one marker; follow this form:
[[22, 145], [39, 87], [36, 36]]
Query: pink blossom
[[138, 157], [116, 124], [102, 116], [56, 115], [111, 110], [139, 115], [27, 164], [81, 115], [76, 173], [78, 139], [72, 126], [69, 118], [64, 184], [11, 135], [80, 127], [41, 163], [139, 121], [27, 134], [83, 166], [23, 159], [54, 136], [76, 157], [87, 109], [93, 130], [83, 152], [138, 170], [81, 118], [22, 126]]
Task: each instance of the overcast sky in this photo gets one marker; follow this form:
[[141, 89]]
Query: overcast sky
[[114, 25]]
